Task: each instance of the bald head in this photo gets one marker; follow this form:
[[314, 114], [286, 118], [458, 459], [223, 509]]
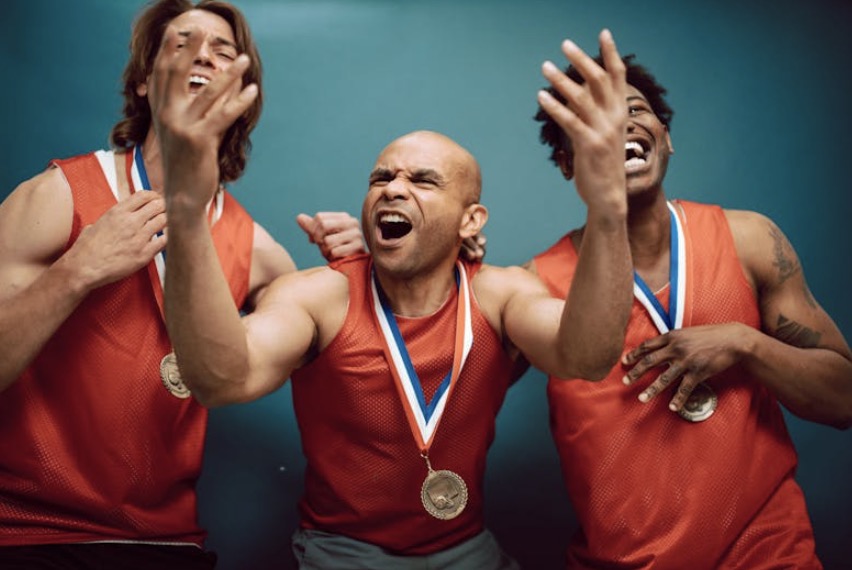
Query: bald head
[[439, 154]]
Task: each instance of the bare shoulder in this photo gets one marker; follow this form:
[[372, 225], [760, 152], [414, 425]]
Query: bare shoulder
[[36, 218], [320, 292], [313, 286], [494, 286], [766, 254]]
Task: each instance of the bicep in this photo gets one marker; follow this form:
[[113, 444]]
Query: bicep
[[788, 309], [530, 316], [35, 224], [279, 334]]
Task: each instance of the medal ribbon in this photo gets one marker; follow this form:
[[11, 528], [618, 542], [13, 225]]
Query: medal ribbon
[[137, 177], [673, 318], [423, 418]]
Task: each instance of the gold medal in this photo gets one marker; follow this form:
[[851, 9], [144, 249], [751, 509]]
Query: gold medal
[[700, 405], [444, 493], [170, 375]]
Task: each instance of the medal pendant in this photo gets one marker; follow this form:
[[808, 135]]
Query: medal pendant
[[444, 493], [170, 375], [700, 405]]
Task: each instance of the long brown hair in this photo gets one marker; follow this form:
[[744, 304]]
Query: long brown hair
[[148, 30]]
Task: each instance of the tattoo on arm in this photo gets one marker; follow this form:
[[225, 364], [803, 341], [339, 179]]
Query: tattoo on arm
[[786, 263], [796, 334]]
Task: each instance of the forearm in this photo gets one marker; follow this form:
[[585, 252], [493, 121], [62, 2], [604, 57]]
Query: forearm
[[29, 318], [598, 305], [813, 383], [203, 322]]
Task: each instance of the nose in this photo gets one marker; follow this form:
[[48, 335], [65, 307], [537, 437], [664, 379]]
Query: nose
[[396, 189], [204, 57]]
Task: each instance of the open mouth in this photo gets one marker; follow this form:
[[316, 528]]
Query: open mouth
[[197, 82], [393, 226], [635, 155]]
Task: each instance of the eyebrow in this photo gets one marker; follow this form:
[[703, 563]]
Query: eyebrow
[[637, 98], [217, 40], [379, 173], [428, 173]]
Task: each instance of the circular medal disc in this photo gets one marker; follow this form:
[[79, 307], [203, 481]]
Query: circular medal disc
[[444, 494], [700, 405], [170, 375]]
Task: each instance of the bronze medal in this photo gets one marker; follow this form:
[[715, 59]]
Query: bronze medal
[[444, 493], [170, 375], [700, 405]]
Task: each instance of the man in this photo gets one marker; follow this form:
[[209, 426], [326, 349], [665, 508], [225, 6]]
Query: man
[[99, 454], [701, 477], [400, 359]]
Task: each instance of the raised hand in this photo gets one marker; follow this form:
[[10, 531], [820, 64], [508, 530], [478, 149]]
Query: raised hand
[[594, 118], [692, 355], [337, 234], [190, 125]]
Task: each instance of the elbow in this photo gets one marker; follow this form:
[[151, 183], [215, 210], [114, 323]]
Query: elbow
[[209, 399], [215, 390], [593, 369]]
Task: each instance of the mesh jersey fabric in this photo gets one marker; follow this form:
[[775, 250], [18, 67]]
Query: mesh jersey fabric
[[364, 469], [92, 446], [651, 490]]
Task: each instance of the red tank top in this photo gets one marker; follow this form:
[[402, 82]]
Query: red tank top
[[92, 446], [364, 472], [652, 490]]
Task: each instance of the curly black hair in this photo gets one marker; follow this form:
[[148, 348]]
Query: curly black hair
[[639, 77]]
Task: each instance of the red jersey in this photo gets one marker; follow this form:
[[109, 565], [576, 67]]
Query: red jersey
[[92, 445], [652, 490], [364, 469]]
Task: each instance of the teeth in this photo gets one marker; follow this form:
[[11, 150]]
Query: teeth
[[392, 218], [635, 146], [634, 162], [198, 79]]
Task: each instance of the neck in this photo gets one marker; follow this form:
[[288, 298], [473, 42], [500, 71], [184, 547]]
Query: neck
[[420, 295], [153, 163], [649, 232]]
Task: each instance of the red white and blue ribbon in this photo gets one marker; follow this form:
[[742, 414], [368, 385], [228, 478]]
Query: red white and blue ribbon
[[139, 181], [673, 318], [423, 417]]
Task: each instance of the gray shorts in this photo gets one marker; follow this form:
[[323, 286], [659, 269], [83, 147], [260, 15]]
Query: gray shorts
[[317, 550]]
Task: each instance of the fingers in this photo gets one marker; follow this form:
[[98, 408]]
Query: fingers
[[602, 89], [473, 248], [220, 102], [224, 99], [661, 383], [644, 357], [336, 233], [687, 385], [306, 222], [564, 116], [613, 63], [172, 65]]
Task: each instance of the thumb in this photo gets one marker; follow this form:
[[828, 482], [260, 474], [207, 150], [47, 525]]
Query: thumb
[[306, 222]]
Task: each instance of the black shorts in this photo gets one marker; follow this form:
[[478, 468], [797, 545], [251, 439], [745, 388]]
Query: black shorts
[[106, 556]]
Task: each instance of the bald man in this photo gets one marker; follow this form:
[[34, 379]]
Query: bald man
[[400, 358]]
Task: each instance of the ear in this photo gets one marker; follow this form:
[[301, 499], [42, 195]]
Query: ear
[[142, 89], [669, 142], [473, 220], [566, 165]]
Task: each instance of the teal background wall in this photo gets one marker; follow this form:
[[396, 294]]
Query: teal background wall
[[761, 91]]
